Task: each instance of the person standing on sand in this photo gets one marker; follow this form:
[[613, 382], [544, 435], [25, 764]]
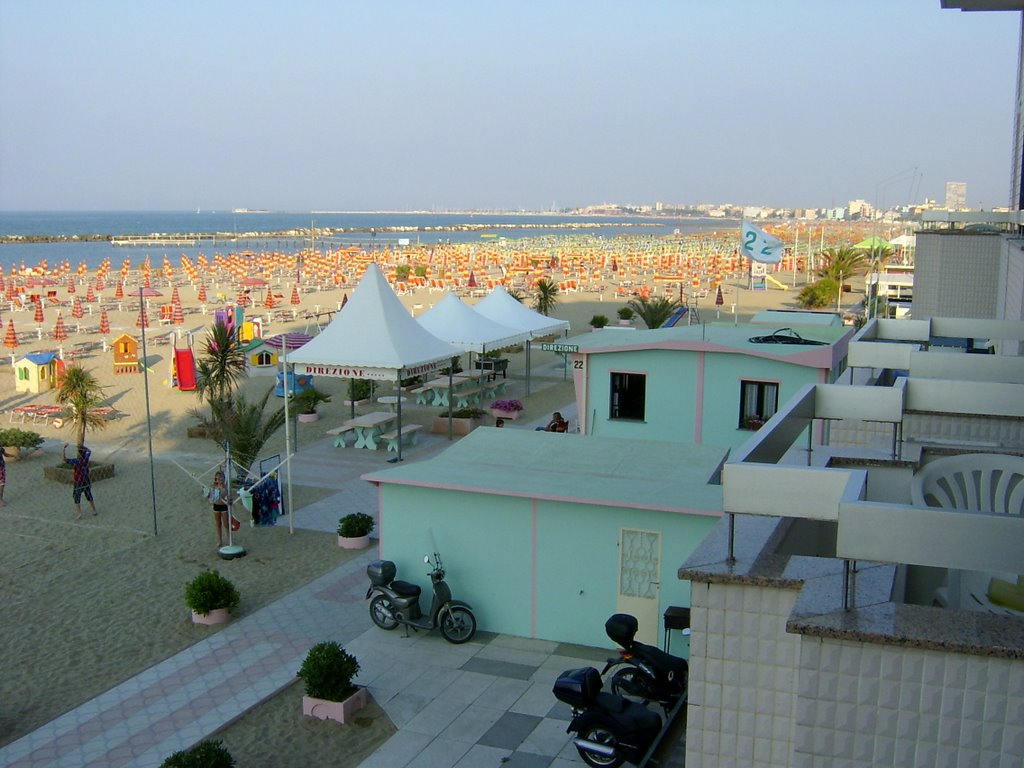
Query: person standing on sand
[[82, 481], [218, 494]]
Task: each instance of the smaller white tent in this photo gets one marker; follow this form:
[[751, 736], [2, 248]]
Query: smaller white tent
[[452, 320], [502, 308]]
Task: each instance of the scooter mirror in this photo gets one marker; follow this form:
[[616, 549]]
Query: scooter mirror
[[426, 559]]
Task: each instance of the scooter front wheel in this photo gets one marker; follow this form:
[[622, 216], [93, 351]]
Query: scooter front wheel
[[458, 625], [383, 612]]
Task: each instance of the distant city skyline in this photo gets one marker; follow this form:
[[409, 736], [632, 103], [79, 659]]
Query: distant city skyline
[[533, 106]]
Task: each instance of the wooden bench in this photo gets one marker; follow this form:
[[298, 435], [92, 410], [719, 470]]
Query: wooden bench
[[465, 397], [410, 434], [340, 433]]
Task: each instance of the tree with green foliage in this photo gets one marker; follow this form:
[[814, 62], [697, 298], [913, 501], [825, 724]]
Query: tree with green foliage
[[545, 296], [245, 426], [82, 393], [654, 311], [221, 368], [842, 263], [818, 295]]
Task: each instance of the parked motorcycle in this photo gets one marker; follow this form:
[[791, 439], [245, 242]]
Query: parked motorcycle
[[398, 602], [610, 729], [643, 671]]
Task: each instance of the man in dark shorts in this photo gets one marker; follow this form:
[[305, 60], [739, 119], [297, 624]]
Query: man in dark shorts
[[82, 481]]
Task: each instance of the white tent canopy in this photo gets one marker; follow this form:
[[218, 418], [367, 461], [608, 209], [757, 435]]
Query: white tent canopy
[[502, 308], [904, 241], [373, 337], [454, 321]]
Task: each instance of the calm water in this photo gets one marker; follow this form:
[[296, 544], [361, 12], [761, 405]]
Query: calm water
[[374, 231]]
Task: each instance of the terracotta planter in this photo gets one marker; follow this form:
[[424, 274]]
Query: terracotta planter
[[12, 453], [507, 415], [305, 418], [216, 616], [625, 322], [339, 711], [354, 542], [461, 427]]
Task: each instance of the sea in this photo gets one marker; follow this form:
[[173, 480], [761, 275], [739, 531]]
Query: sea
[[293, 231]]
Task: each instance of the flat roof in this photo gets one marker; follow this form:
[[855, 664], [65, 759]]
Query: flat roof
[[580, 469]]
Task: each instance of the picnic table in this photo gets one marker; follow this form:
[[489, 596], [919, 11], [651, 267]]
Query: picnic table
[[439, 387], [367, 429]]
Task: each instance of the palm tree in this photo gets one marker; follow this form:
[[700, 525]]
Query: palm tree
[[221, 368], [82, 393], [245, 426], [654, 311], [841, 263], [545, 296]]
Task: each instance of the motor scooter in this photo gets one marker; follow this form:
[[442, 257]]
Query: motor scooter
[[610, 729], [398, 602], [643, 671]]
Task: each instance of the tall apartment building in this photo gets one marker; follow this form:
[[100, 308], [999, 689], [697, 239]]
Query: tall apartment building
[[956, 195]]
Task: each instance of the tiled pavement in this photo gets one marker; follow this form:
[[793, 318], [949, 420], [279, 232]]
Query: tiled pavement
[[484, 703]]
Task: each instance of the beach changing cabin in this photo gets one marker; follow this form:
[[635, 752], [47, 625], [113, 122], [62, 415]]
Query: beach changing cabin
[[126, 354], [37, 372]]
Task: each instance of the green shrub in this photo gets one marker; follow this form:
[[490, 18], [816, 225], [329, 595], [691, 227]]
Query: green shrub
[[625, 313], [360, 389], [327, 672], [598, 321], [464, 413], [209, 591], [205, 754], [308, 399], [20, 438], [354, 525]]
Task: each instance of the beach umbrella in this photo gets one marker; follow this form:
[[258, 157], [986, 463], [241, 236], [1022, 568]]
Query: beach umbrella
[[177, 313], [104, 323], [71, 285], [344, 300], [100, 284], [242, 299], [295, 295], [251, 282], [119, 290], [60, 332], [149, 293], [76, 309], [142, 321], [90, 294], [38, 316], [471, 282], [201, 296], [11, 337], [719, 298], [270, 302]]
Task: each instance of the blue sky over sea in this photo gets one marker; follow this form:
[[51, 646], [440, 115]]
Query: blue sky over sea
[[119, 105]]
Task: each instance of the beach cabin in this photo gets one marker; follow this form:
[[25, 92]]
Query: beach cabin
[[37, 372], [126, 354], [709, 384], [263, 356], [546, 535]]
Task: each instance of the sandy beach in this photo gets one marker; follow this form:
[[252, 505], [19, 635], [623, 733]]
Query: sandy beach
[[93, 602]]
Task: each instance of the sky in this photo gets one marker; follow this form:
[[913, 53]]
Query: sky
[[401, 105]]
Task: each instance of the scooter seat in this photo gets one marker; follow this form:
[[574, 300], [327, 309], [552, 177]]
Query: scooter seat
[[405, 589], [665, 662]]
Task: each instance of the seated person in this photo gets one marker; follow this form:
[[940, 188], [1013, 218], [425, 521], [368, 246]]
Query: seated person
[[557, 424]]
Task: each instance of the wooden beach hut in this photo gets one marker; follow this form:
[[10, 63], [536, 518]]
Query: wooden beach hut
[[126, 354], [37, 372]]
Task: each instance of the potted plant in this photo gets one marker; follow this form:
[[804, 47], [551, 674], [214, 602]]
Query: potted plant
[[360, 391], [598, 321], [306, 402], [211, 598], [354, 530], [17, 442], [506, 409], [464, 421], [625, 315], [327, 673], [205, 754]]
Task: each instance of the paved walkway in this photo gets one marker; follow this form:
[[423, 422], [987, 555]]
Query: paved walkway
[[485, 703]]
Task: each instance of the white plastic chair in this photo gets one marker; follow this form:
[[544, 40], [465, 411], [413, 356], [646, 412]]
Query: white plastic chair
[[980, 482]]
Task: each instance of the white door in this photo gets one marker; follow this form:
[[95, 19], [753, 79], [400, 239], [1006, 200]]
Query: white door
[[640, 580]]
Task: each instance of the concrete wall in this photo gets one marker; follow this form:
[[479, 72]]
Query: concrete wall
[[541, 569], [956, 275]]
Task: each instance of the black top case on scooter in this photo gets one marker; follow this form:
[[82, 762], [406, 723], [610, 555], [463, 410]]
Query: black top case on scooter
[[381, 572]]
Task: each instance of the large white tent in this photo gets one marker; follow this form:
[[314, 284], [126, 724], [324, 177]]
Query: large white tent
[[502, 308], [373, 337], [456, 322]]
